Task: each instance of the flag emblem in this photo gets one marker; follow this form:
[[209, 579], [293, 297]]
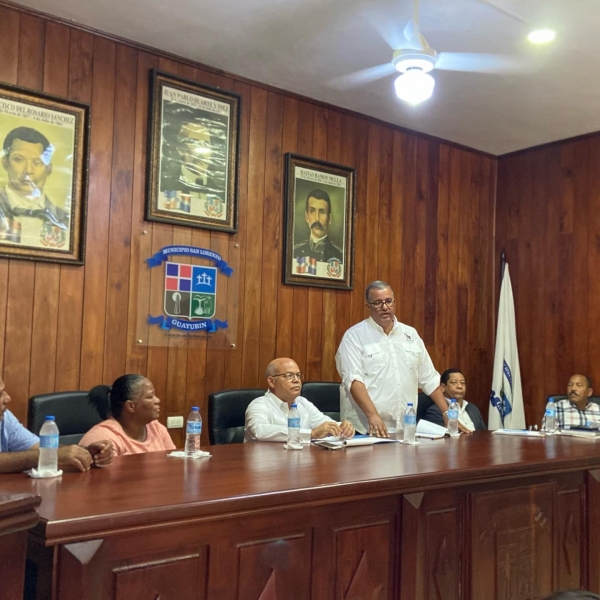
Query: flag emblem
[[506, 398], [306, 264], [213, 206], [334, 267]]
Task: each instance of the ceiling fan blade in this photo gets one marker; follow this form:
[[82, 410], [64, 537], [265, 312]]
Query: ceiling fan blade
[[507, 12], [414, 39], [409, 31], [479, 63], [359, 78]]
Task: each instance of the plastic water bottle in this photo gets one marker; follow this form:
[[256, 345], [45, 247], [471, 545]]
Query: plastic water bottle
[[410, 423], [48, 461], [550, 422], [453, 418], [293, 441], [193, 431]]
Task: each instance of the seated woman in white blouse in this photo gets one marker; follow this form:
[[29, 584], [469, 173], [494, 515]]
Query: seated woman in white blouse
[[266, 417]]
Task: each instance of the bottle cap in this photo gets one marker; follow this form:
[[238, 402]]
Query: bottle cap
[[410, 404], [49, 418], [294, 405], [551, 399], [195, 409]]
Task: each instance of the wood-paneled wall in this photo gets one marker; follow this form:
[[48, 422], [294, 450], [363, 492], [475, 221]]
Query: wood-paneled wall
[[424, 222], [548, 219]]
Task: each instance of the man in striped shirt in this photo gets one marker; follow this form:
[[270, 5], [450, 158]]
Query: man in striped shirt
[[576, 410]]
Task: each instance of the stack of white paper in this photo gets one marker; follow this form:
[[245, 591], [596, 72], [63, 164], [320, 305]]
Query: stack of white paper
[[525, 432], [429, 430], [334, 443]]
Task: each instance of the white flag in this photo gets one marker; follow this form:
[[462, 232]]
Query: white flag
[[506, 400]]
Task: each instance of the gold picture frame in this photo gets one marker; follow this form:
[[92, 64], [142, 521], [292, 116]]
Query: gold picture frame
[[43, 176], [193, 154], [319, 223]]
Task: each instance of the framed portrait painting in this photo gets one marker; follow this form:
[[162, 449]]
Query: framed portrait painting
[[193, 154], [43, 176], [319, 223]]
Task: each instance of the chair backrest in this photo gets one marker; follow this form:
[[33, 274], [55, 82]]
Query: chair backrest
[[557, 397], [325, 395], [75, 416], [227, 414], [424, 403]]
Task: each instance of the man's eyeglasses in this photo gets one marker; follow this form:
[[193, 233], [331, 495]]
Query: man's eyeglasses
[[287, 376], [378, 304]]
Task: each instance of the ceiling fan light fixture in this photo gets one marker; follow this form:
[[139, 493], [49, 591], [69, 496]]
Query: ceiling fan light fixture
[[541, 36], [414, 86], [423, 59]]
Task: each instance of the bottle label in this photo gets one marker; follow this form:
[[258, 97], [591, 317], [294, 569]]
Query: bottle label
[[48, 441], [410, 420], [550, 412], [453, 414], [294, 423], [194, 427]]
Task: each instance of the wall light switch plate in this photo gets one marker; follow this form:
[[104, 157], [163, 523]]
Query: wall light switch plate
[[174, 422]]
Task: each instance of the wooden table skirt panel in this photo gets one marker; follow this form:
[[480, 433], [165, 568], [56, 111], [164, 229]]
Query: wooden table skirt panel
[[306, 553], [471, 519], [17, 515]]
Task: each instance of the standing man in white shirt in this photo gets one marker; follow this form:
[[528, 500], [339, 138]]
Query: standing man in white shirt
[[382, 363], [266, 417]]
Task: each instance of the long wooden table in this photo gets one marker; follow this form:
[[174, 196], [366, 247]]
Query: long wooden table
[[481, 517]]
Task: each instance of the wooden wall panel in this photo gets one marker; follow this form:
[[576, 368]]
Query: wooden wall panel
[[548, 220], [424, 221]]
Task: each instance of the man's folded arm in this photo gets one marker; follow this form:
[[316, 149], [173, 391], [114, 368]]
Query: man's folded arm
[[14, 462], [69, 457]]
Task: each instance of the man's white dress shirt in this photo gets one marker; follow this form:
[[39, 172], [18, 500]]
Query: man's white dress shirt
[[267, 419], [392, 368]]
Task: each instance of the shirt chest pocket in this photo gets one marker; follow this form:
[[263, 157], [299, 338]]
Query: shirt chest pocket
[[411, 354], [374, 359]]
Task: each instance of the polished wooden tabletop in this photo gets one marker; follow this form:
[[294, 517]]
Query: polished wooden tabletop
[[153, 487]]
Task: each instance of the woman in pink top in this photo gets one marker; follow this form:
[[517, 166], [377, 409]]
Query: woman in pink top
[[130, 407]]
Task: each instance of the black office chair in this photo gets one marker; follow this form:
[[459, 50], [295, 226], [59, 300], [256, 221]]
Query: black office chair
[[557, 397], [325, 395], [75, 416], [227, 414], [424, 403]]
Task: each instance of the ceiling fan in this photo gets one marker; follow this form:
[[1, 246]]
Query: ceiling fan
[[415, 59]]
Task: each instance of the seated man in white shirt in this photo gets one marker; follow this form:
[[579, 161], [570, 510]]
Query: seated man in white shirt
[[267, 416], [453, 385]]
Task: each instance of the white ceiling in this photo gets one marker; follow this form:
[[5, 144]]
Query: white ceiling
[[312, 46]]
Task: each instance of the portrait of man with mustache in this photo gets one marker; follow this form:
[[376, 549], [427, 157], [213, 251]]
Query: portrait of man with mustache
[[318, 217]]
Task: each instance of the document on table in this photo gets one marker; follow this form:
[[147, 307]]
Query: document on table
[[522, 432], [590, 434], [429, 430], [333, 443]]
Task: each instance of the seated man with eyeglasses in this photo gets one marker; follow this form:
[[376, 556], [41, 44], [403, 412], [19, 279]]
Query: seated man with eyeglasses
[[383, 363], [266, 417]]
